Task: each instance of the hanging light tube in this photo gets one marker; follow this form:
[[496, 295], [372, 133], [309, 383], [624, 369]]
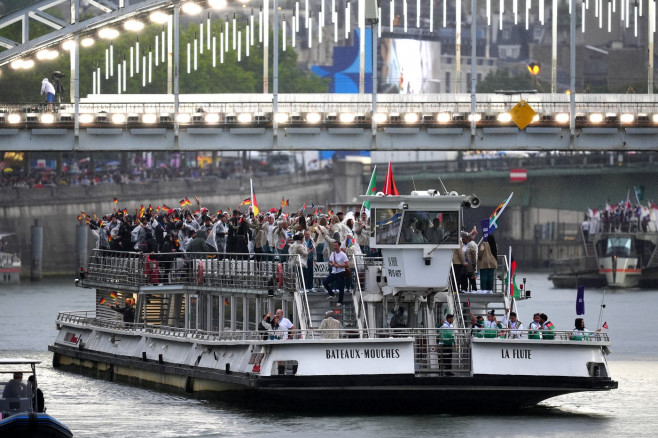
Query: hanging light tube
[[379, 23], [98, 77], [214, 50], [635, 20], [239, 45], [163, 45], [404, 13], [93, 82], [137, 55], [111, 59], [527, 14], [201, 37], [319, 27], [515, 11], [119, 79], [195, 51], [488, 13], [208, 30], [226, 35], [107, 63], [124, 73], [221, 48], [283, 27], [445, 14], [583, 17], [260, 25], [157, 57], [609, 15], [235, 32], [321, 20], [189, 56], [334, 14], [251, 27], [143, 69], [132, 49], [297, 15], [347, 19], [310, 31], [150, 65], [246, 40]]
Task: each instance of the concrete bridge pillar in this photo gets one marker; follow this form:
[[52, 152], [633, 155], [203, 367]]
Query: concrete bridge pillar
[[348, 182]]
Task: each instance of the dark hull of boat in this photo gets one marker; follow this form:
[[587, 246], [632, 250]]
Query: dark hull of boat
[[572, 281], [337, 393], [24, 425]]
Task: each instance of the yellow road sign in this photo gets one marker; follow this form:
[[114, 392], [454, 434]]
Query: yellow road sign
[[522, 114]]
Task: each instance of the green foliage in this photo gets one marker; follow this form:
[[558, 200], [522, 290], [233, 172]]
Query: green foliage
[[504, 80], [231, 76]]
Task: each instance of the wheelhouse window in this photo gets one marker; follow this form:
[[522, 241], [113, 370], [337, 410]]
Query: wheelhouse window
[[416, 227], [387, 225], [620, 247]]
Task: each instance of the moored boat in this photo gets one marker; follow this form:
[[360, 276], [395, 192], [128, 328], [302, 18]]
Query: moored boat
[[21, 412], [196, 329], [10, 259]]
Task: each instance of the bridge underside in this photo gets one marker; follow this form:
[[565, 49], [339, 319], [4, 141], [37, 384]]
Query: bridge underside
[[166, 138]]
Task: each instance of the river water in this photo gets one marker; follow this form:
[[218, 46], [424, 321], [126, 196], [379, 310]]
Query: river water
[[96, 408]]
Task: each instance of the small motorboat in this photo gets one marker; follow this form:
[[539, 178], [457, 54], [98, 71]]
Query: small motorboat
[[22, 413]]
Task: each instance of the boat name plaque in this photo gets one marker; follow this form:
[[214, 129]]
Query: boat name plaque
[[365, 353]]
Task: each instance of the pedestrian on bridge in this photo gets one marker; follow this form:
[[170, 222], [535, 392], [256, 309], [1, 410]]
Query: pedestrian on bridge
[[48, 90]]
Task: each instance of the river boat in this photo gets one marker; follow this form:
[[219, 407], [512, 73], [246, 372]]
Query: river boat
[[20, 416], [623, 259], [10, 259], [198, 315]]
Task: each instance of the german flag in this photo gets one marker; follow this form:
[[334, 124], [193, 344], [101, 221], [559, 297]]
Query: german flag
[[113, 295], [115, 200], [182, 202], [187, 202], [166, 209], [102, 301], [141, 212], [246, 202]]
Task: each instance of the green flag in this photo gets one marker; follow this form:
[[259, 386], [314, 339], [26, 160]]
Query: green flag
[[371, 187]]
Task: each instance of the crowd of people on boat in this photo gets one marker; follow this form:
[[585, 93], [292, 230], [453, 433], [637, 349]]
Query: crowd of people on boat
[[511, 327], [621, 217], [471, 261], [165, 234]]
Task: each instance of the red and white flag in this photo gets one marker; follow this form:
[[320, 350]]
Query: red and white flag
[[518, 175]]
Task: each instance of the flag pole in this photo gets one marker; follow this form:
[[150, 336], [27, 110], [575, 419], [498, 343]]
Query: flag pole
[[598, 324], [509, 272]]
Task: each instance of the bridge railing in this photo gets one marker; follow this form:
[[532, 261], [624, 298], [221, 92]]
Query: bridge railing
[[329, 110]]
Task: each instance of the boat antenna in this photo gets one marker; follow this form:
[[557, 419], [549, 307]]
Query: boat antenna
[[413, 181], [598, 324], [445, 191]]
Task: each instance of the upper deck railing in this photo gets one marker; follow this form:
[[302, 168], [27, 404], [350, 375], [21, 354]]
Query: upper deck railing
[[236, 273]]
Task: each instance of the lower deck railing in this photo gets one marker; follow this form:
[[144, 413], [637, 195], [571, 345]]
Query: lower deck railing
[[436, 351]]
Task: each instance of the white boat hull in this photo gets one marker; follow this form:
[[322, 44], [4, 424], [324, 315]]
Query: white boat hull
[[621, 272]]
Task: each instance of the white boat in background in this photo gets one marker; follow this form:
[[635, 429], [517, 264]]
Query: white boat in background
[[21, 415], [628, 259], [10, 259], [198, 317]]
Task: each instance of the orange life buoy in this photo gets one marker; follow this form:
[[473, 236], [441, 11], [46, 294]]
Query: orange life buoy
[[279, 274]]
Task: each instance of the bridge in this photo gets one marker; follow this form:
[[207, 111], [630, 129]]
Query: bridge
[[274, 121]]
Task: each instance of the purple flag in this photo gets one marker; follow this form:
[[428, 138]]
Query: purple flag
[[484, 223], [580, 301]]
